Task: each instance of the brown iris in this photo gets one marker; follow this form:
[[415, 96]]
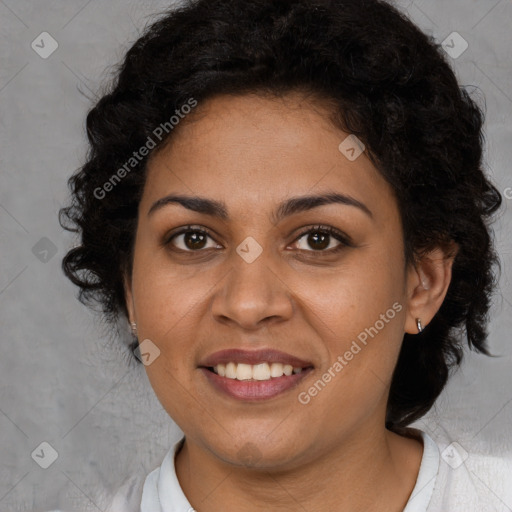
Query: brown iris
[[318, 240], [194, 240]]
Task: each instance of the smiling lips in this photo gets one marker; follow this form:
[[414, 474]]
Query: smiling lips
[[254, 375]]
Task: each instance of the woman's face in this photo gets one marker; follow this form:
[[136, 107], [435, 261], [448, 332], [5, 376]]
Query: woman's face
[[258, 280]]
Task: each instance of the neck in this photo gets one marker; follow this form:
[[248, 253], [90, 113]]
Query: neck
[[370, 471]]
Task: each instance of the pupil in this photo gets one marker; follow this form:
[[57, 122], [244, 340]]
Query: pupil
[[194, 240], [320, 240]]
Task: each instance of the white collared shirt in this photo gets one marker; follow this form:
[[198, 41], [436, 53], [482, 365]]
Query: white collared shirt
[[449, 480]]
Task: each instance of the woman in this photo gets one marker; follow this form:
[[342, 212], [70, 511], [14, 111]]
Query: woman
[[286, 202]]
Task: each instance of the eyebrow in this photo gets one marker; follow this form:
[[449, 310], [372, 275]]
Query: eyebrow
[[286, 208]]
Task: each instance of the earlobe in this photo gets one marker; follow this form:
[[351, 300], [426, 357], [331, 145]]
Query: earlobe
[[428, 283]]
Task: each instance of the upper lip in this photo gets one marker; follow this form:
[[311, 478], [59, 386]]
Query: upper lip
[[253, 357]]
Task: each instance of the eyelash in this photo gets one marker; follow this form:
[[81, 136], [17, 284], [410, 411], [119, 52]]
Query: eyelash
[[335, 233]]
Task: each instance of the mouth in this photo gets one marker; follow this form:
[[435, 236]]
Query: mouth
[[255, 375]]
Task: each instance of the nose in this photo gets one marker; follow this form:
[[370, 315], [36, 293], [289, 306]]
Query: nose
[[252, 296]]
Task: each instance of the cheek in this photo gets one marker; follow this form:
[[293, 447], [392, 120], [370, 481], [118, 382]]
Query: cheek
[[359, 314], [166, 295], [168, 306], [354, 298]]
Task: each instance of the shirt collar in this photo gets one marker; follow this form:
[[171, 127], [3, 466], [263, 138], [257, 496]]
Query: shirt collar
[[162, 491]]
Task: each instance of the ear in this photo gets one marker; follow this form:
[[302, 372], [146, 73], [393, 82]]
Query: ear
[[427, 284], [127, 282]]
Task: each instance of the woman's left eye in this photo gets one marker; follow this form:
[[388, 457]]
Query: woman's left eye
[[323, 239]]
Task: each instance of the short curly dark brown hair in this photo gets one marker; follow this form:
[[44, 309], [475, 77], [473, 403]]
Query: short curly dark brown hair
[[388, 83]]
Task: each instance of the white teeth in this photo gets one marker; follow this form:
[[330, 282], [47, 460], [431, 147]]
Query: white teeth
[[231, 371], [243, 371], [276, 370], [261, 371]]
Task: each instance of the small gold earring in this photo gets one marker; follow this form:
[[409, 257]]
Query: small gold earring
[[419, 325], [133, 325]]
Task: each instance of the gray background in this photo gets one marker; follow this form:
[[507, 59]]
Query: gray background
[[63, 379]]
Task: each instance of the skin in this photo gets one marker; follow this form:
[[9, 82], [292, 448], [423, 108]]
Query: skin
[[252, 152]]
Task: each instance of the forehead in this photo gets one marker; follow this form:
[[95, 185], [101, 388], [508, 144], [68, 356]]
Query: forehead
[[251, 151]]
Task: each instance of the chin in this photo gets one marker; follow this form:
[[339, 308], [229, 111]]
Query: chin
[[256, 451]]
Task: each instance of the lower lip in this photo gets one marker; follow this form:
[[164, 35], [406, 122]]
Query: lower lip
[[255, 390]]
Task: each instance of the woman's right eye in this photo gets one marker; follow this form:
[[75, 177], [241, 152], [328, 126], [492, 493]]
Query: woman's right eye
[[191, 240]]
